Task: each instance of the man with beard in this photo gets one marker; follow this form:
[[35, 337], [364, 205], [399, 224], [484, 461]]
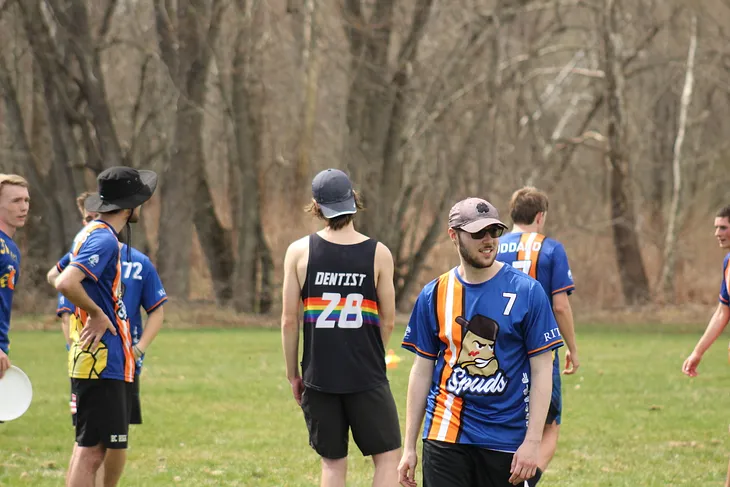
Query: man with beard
[[102, 358], [480, 430], [142, 288], [721, 317]]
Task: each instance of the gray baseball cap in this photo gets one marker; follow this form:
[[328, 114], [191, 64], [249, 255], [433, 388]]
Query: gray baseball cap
[[473, 214], [332, 190]]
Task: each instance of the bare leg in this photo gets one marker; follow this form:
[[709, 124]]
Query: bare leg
[[548, 445], [386, 468], [334, 472], [113, 466], [727, 480], [85, 461]]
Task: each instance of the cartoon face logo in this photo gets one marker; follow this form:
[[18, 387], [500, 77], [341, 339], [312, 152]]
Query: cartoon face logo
[[477, 345], [482, 208]]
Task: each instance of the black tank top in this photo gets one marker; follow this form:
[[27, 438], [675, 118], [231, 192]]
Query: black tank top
[[343, 349]]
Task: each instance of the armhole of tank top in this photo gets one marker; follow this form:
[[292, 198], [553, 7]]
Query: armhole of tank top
[[375, 270], [310, 244]]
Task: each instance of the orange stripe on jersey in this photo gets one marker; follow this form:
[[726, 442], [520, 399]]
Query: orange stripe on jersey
[[123, 325], [87, 231], [527, 256], [727, 278], [447, 413]]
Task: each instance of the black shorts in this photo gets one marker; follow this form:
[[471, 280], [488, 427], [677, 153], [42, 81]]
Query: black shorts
[[103, 408], [454, 465], [371, 415], [135, 415]]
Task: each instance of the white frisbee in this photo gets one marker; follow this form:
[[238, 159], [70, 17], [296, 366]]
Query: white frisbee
[[16, 393]]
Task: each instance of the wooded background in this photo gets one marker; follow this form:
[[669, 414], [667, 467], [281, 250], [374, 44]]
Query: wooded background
[[616, 108]]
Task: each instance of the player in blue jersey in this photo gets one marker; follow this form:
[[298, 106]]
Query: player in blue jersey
[[14, 207], [102, 358], [526, 248], [141, 288], [482, 375], [721, 317]]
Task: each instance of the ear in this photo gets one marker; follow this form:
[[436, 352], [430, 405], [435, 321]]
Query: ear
[[452, 235]]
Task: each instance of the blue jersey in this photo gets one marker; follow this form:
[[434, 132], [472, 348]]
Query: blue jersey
[[9, 272], [96, 252], [481, 337], [541, 258], [724, 296], [141, 288]]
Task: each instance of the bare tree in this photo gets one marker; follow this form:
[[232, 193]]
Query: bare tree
[[670, 243], [634, 281], [186, 36]]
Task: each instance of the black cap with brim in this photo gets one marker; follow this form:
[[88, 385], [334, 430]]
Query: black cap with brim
[[98, 204], [332, 210]]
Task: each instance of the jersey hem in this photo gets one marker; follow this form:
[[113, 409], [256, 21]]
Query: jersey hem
[[414, 349], [547, 348], [327, 390]]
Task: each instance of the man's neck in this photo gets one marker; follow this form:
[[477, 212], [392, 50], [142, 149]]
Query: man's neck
[[473, 275], [9, 230], [522, 228], [116, 221]]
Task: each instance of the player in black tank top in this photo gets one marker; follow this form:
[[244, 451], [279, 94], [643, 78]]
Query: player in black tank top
[[345, 281], [343, 349]]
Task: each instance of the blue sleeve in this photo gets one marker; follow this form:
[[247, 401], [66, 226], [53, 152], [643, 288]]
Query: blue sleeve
[[96, 253], [724, 295], [153, 293], [64, 262], [421, 335], [562, 277], [64, 305], [541, 330]]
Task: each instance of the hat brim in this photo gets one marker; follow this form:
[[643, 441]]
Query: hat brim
[[149, 184], [478, 225], [333, 210]]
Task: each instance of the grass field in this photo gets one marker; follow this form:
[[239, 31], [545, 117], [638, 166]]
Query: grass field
[[218, 411]]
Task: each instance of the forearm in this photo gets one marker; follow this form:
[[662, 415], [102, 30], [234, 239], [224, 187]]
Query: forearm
[[290, 344], [541, 384], [66, 327], [714, 329], [75, 292], [151, 329], [564, 317], [386, 330], [418, 387], [52, 275]]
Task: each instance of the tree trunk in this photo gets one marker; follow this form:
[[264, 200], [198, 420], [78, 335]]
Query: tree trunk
[[185, 196], [670, 244], [635, 284], [247, 140]]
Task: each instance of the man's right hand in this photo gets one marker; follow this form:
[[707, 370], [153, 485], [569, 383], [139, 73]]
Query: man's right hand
[[4, 363], [407, 468], [94, 329], [297, 389]]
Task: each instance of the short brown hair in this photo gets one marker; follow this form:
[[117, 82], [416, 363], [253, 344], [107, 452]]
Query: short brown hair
[[723, 212], [337, 222], [526, 203], [12, 180], [81, 200]]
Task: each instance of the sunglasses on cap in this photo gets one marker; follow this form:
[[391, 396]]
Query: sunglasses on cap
[[494, 231]]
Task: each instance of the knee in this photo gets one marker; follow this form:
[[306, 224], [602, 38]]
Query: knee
[[91, 456], [334, 465], [388, 458]]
